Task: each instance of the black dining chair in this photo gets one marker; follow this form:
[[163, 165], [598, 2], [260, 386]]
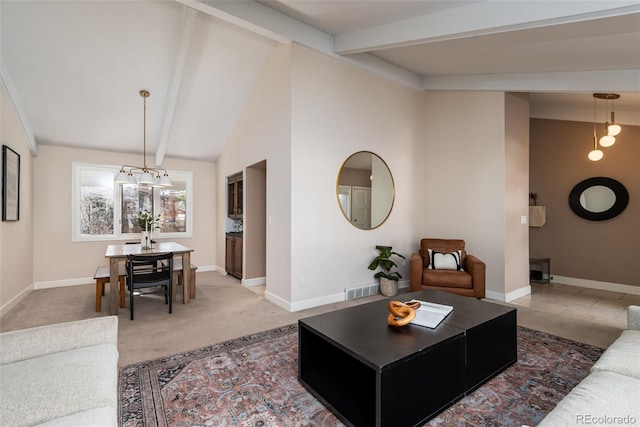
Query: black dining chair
[[146, 272]]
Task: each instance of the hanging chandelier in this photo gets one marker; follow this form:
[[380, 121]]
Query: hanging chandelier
[[595, 154], [143, 175], [611, 129]]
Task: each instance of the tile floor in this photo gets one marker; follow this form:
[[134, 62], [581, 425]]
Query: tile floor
[[593, 305]]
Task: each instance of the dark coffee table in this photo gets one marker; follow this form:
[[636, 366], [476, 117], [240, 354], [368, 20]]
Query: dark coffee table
[[371, 374]]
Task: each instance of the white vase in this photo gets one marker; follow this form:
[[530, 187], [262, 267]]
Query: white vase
[[145, 239]]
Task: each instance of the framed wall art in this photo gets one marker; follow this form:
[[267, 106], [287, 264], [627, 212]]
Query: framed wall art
[[10, 184]]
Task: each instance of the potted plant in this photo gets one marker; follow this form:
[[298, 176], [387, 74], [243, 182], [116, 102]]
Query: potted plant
[[388, 279]]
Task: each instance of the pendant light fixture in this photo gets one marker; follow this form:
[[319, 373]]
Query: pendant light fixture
[[611, 129], [145, 175], [595, 154]]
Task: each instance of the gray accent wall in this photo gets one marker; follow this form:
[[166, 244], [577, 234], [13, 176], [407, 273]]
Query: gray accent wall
[[600, 251]]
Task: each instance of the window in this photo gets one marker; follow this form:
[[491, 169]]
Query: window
[[103, 210]]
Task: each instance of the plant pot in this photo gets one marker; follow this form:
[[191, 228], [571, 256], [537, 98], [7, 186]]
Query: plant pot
[[388, 287]]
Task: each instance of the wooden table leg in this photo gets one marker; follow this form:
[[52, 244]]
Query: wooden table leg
[[122, 302], [99, 293], [192, 285], [114, 302], [186, 277]]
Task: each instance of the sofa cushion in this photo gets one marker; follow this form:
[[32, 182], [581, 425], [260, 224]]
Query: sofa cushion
[[602, 398], [58, 384], [448, 278], [633, 317], [34, 342], [622, 357]]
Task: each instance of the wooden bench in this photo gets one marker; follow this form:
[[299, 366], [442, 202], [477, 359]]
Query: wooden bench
[[102, 277], [177, 278]]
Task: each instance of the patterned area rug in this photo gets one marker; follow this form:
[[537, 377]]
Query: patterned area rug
[[252, 382]]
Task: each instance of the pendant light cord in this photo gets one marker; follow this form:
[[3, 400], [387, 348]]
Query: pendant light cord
[[144, 130]]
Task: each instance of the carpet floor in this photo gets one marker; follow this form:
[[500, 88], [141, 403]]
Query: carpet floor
[[252, 382]]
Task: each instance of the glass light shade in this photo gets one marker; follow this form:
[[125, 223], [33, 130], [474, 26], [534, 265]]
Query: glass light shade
[[607, 141], [165, 181], [595, 155], [613, 129], [146, 178], [121, 178]]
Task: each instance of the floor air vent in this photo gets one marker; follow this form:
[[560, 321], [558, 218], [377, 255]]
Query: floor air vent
[[361, 291]]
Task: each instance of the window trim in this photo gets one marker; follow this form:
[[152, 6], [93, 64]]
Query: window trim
[[76, 236]]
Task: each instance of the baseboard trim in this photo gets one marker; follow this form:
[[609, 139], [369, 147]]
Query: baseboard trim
[[574, 281], [403, 284], [509, 296], [280, 302], [316, 302], [90, 280], [62, 283], [16, 300], [303, 305], [595, 284], [258, 281]]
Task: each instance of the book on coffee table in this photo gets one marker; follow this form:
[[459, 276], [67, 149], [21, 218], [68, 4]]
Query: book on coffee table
[[430, 314]]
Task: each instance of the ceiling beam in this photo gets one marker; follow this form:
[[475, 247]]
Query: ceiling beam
[[12, 93], [247, 15], [281, 28], [570, 81], [476, 19], [188, 23]]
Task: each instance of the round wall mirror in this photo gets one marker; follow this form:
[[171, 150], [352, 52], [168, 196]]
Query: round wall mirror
[[365, 190], [598, 199]]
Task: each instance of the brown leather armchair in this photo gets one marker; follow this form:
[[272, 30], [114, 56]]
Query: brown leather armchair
[[469, 281]]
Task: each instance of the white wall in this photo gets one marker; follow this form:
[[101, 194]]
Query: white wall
[[516, 196], [464, 176], [337, 110], [447, 152], [307, 114], [57, 260], [263, 132], [16, 237]]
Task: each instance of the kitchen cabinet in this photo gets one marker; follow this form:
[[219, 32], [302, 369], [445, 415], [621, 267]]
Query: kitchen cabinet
[[234, 196], [233, 261]]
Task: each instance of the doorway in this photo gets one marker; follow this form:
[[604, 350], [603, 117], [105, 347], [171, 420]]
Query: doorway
[[255, 225], [361, 207]]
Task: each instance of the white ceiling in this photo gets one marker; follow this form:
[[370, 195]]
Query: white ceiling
[[74, 68]]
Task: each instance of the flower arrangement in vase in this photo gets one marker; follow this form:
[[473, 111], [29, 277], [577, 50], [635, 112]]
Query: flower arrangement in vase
[[148, 223]]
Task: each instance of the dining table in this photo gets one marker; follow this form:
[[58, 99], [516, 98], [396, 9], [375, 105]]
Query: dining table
[[119, 253]]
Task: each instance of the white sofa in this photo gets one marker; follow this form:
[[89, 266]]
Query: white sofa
[[610, 394], [60, 375]]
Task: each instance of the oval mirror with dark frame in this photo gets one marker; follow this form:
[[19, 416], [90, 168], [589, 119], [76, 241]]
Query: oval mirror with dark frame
[[598, 198], [365, 190]]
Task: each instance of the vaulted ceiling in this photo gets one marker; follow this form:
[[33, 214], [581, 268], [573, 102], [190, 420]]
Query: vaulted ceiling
[[73, 69]]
